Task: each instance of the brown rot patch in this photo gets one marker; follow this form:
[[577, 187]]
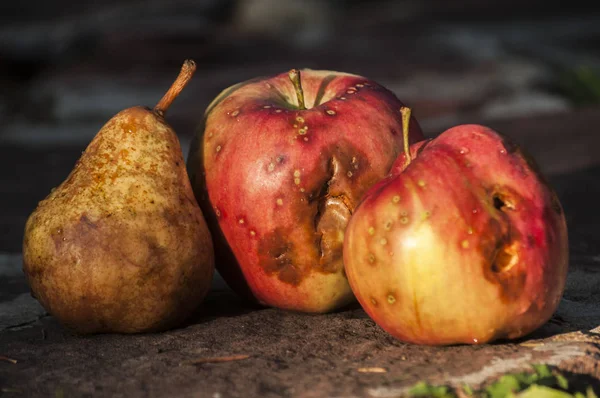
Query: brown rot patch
[[502, 267], [333, 218], [278, 257], [503, 201], [505, 258]]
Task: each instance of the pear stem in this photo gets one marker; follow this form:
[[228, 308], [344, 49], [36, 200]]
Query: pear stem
[[405, 111], [186, 73], [294, 75]]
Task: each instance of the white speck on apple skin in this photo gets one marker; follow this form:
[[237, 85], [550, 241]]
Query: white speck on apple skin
[[371, 231], [241, 221], [371, 258], [391, 299], [330, 112], [383, 241], [279, 202], [396, 199], [218, 148], [235, 113]]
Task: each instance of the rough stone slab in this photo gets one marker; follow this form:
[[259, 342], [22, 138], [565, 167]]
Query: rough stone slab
[[290, 354]]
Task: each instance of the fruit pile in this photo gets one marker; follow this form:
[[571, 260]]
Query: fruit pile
[[318, 189]]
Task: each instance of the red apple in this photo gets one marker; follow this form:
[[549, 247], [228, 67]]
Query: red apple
[[467, 243], [279, 166]]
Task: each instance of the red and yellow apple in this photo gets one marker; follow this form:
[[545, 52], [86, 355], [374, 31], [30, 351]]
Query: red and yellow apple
[[278, 167], [466, 243]]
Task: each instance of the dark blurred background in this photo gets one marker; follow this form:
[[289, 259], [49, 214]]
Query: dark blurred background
[[67, 66]]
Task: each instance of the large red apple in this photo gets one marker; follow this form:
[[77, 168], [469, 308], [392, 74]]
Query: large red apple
[[279, 166], [466, 244]]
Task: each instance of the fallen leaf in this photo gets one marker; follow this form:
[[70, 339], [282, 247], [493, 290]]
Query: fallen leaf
[[229, 358], [372, 370], [7, 359]]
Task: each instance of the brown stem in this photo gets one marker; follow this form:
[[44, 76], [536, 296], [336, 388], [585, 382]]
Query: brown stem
[[186, 73], [405, 111], [294, 75]]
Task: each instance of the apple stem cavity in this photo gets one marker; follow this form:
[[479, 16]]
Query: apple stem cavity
[[185, 75], [294, 75], [405, 111]]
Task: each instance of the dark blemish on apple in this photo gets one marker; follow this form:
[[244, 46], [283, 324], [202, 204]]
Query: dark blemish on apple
[[331, 222], [505, 258], [277, 257], [503, 268], [502, 202]]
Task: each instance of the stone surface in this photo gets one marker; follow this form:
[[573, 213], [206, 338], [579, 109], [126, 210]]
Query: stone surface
[[66, 69]]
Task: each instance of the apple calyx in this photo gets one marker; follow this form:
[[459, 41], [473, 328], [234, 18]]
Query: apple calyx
[[405, 111], [185, 75], [294, 76]]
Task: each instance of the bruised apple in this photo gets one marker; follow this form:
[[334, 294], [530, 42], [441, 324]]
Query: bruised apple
[[278, 166], [466, 243]]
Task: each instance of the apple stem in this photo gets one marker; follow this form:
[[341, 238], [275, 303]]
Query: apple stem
[[294, 75], [405, 111], [186, 73]]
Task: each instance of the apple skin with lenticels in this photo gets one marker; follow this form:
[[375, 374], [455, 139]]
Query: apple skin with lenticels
[[466, 243], [278, 165]]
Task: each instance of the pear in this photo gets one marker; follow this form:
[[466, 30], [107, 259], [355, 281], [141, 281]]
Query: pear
[[122, 245]]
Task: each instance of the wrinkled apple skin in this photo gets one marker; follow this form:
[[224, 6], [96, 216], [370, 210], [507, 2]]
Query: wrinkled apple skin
[[467, 244], [278, 184]]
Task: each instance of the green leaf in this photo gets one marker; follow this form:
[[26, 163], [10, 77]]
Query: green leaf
[[536, 391], [504, 386], [562, 381], [591, 393], [423, 389], [468, 390], [542, 370]]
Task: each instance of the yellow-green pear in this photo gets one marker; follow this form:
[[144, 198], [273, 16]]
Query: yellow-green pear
[[121, 245]]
